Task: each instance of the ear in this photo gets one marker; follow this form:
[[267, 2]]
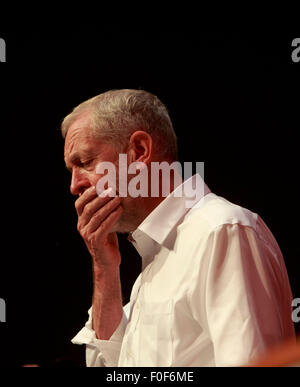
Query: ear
[[140, 147]]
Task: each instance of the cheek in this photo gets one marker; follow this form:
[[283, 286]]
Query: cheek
[[129, 205], [106, 182], [95, 178]]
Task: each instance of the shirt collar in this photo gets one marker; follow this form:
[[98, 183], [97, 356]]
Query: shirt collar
[[158, 225]]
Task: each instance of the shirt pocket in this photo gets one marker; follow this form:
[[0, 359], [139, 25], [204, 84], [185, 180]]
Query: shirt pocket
[[155, 334]]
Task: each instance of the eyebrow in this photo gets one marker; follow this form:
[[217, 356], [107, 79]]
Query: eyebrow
[[68, 168], [75, 156]]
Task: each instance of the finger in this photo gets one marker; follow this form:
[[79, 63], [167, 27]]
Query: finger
[[109, 222], [99, 216], [92, 207], [86, 197]]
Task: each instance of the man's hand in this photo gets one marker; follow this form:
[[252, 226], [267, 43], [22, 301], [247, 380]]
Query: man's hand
[[96, 217]]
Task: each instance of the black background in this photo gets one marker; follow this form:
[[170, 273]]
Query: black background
[[234, 102]]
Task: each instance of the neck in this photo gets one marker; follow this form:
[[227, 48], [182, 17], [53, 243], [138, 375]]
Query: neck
[[136, 210], [148, 204]]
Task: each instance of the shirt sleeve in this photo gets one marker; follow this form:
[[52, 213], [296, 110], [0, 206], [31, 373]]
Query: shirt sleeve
[[102, 353], [242, 294]]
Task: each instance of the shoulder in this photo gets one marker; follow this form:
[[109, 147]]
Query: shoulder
[[216, 211]]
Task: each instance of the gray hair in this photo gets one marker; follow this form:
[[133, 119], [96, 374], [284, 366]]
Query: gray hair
[[116, 114]]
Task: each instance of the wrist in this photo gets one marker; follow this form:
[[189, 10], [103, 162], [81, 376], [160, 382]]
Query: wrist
[[105, 273]]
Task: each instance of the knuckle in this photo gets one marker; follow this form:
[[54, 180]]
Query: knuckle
[[98, 216], [101, 229], [83, 232], [88, 210], [77, 206], [89, 238]]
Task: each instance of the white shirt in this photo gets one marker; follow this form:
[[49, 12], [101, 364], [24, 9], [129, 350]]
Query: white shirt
[[213, 290]]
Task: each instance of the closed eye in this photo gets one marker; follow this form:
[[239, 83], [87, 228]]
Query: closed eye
[[86, 163], [79, 163]]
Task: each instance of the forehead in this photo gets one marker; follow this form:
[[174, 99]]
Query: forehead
[[79, 136], [81, 143]]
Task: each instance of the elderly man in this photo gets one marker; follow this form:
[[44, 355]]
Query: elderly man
[[213, 290]]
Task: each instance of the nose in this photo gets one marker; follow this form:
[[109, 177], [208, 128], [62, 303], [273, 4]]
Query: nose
[[79, 182]]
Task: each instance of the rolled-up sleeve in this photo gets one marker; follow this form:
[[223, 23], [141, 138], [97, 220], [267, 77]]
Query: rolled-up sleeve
[[243, 295], [102, 353]]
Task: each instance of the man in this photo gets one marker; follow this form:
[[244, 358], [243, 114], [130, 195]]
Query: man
[[213, 290]]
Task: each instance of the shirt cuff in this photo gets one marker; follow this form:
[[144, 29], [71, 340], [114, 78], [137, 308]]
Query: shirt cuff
[[101, 353]]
